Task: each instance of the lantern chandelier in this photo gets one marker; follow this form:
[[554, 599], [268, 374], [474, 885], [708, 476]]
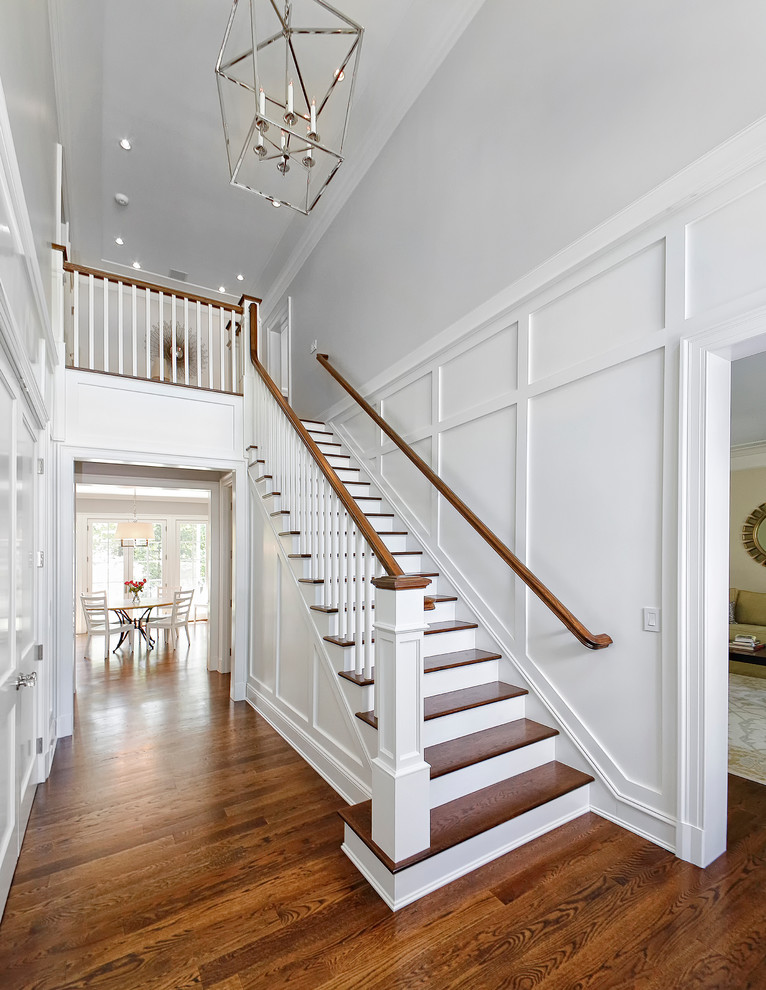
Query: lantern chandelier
[[286, 74]]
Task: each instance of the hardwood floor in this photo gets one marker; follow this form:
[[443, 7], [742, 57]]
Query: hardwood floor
[[181, 843]]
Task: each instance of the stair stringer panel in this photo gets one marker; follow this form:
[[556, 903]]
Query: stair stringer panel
[[297, 690], [576, 744]]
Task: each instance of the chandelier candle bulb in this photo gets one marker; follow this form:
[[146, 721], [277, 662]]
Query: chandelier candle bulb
[[262, 103], [314, 117], [290, 97]]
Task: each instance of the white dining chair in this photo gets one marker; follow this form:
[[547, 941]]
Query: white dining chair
[[100, 621], [177, 619]]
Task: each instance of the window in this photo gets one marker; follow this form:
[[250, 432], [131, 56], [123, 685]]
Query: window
[[107, 565], [192, 559], [147, 563]]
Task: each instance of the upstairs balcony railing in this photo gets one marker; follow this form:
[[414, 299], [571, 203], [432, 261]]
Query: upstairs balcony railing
[[123, 326]]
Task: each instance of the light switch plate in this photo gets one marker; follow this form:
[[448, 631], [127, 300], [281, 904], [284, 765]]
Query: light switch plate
[[651, 620], [314, 347]]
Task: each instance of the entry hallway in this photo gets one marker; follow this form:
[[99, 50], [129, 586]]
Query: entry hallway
[[179, 842]]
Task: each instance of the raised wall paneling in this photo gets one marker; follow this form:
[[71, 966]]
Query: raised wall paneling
[[266, 585], [478, 461], [294, 650], [595, 538], [479, 374], [160, 420], [329, 719], [409, 408], [622, 304], [408, 483], [726, 253], [363, 431]]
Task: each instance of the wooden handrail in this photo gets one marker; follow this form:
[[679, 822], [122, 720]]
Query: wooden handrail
[[578, 630], [152, 286], [363, 524]]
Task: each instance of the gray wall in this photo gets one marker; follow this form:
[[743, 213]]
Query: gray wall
[[27, 77], [545, 119]]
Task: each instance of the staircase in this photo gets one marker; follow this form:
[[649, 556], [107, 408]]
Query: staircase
[[495, 782]]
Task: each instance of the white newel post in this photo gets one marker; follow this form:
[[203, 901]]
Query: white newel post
[[401, 816]]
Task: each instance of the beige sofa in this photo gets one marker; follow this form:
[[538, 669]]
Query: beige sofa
[[749, 614]]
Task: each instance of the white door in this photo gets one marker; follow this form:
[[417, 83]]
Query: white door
[[17, 627]]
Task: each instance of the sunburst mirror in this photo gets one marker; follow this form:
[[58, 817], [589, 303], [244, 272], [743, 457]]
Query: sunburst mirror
[[754, 534]]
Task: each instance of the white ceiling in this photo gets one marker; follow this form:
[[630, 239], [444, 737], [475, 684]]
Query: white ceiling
[[144, 69]]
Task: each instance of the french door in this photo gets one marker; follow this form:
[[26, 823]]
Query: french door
[[18, 611], [110, 565]]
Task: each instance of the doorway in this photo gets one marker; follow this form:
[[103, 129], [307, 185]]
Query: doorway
[[705, 458], [279, 348]]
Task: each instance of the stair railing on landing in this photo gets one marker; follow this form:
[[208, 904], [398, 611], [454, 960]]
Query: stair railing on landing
[[136, 329], [345, 553], [591, 640]]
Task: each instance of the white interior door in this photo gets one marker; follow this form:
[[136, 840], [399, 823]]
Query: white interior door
[[17, 627], [278, 338]]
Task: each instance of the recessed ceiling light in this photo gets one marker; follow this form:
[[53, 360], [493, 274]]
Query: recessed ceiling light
[[240, 278], [121, 199], [136, 264], [125, 144], [4, 228], [118, 240], [221, 288]]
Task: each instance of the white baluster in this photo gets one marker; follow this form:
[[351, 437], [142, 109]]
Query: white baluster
[[148, 331], [173, 358], [120, 342], [134, 330], [106, 325], [198, 343], [369, 599], [210, 346], [233, 351], [161, 305], [222, 348], [343, 576], [362, 552], [76, 320], [91, 329], [350, 579], [186, 341]]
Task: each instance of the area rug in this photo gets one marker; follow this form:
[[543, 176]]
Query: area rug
[[747, 727]]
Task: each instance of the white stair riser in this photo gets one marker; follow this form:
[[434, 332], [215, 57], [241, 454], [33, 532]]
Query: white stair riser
[[360, 698], [382, 524], [357, 491], [408, 885], [369, 735], [312, 593], [345, 473], [313, 424], [370, 504], [439, 730], [457, 678], [461, 782], [441, 612], [335, 459], [414, 563], [394, 543], [448, 642]]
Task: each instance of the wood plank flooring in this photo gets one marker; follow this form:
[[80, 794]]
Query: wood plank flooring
[[181, 843]]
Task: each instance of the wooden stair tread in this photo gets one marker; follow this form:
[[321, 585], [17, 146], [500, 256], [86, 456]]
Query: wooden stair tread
[[450, 702], [369, 717], [299, 556], [271, 494], [280, 512], [360, 679], [392, 532], [459, 820], [456, 754], [449, 625], [310, 580], [378, 515], [424, 574], [291, 532], [337, 641], [443, 598], [459, 658], [328, 443], [406, 553], [264, 477]]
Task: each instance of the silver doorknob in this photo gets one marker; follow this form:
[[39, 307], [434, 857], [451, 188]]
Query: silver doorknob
[[26, 680]]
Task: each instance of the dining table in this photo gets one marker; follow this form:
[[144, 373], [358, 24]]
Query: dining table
[[127, 608]]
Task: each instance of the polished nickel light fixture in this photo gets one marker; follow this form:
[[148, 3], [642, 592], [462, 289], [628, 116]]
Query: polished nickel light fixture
[[286, 73], [135, 533]]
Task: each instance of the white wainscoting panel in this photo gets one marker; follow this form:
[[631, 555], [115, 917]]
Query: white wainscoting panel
[[408, 482], [116, 413], [266, 587], [477, 459], [328, 716], [726, 252], [409, 408], [484, 372], [295, 648], [604, 580], [365, 433], [621, 304]]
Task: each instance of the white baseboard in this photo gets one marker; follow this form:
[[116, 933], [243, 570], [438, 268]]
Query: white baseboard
[[350, 787]]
